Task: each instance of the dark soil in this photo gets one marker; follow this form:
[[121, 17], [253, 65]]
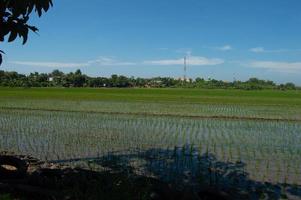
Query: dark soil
[[32, 179]]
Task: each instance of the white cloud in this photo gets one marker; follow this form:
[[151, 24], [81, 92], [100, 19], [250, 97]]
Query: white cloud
[[225, 48], [263, 50], [219, 48], [257, 50], [101, 61], [109, 61], [287, 67], [193, 60], [48, 64]]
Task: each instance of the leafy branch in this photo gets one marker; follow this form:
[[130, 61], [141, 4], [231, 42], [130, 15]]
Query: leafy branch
[[14, 17]]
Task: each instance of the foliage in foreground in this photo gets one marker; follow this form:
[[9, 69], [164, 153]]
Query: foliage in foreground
[[14, 17], [77, 79]]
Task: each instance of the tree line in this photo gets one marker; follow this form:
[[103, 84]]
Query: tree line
[[78, 79]]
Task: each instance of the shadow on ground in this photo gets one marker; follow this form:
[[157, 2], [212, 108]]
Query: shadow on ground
[[152, 174]]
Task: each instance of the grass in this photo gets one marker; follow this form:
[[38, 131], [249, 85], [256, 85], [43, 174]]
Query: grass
[[264, 97], [175, 102]]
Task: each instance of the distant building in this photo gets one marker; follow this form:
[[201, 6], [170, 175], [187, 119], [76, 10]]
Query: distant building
[[184, 79], [50, 79]]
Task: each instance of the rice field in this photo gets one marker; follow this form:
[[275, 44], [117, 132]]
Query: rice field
[[160, 137]]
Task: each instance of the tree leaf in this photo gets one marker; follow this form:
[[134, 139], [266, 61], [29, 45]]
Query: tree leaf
[[25, 35], [1, 58], [46, 5], [12, 36], [33, 28], [30, 8]]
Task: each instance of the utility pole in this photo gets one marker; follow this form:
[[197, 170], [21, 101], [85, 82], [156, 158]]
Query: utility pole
[[185, 67]]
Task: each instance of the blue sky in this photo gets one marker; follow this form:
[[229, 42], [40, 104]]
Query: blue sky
[[224, 39]]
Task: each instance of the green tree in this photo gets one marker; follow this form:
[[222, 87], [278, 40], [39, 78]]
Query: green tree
[[290, 86], [14, 17]]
